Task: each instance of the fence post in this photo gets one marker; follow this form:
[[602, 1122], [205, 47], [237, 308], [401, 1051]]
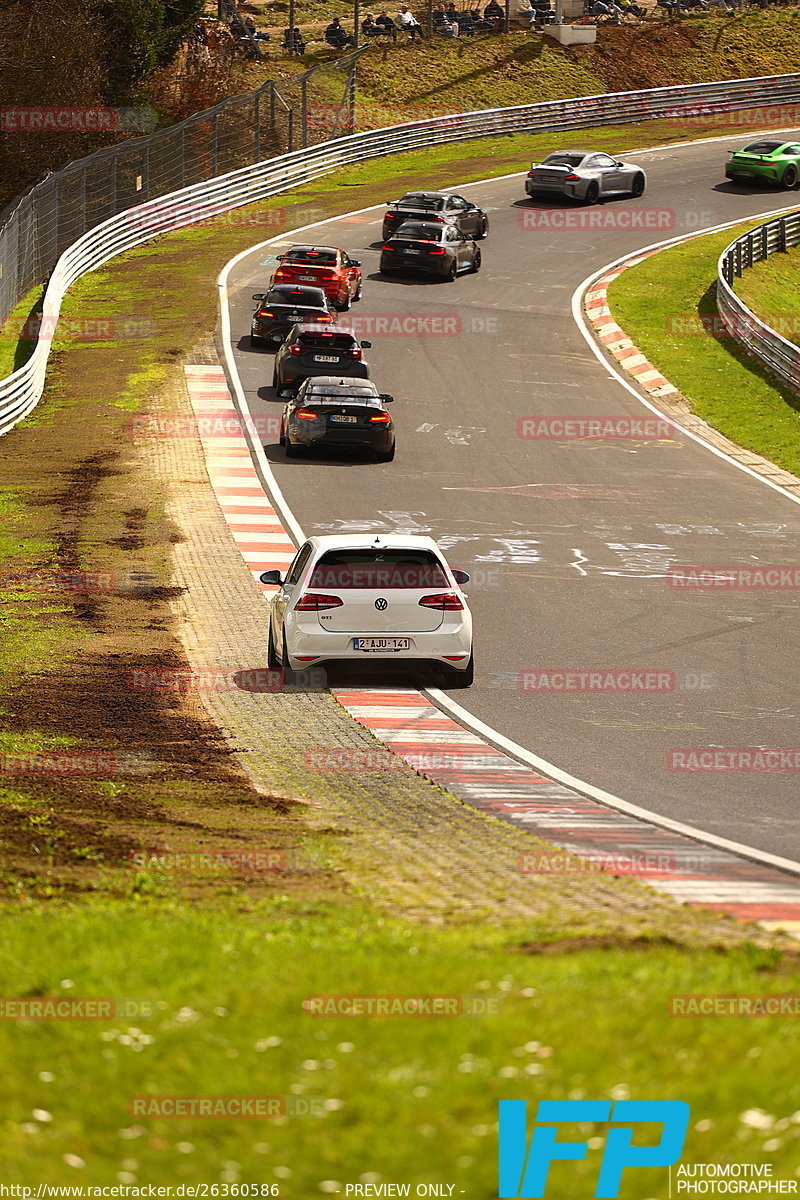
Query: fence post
[[291, 129], [764, 241], [304, 110], [257, 128], [214, 144], [782, 234]]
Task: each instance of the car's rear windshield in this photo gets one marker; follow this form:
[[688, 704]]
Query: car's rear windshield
[[414, 200], [319, 395], [762, 147], [299, 295], [375, 569], [415, 231], [324, 258], [331, 341], [565, 160]]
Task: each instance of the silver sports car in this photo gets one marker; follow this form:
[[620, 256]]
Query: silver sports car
[[584, 175]]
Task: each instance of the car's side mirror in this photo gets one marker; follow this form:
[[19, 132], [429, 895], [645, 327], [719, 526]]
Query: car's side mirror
[[280, 257], [461, 576], [259, 296], [355, 262], [366, 345], [386, 399], [273, 577]]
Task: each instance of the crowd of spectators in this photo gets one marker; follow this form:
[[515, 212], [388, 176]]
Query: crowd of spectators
[[447, 21]]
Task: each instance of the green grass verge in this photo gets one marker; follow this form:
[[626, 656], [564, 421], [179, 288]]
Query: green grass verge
[[409, 1100], [660, 304]]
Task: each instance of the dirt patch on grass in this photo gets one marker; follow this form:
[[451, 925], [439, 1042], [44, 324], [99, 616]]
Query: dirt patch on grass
[[96, 769]]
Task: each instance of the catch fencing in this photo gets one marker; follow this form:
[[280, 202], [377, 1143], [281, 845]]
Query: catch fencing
[[80, 217]]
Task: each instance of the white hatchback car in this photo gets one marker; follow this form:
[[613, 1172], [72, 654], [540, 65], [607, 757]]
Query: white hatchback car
[[368, 597]]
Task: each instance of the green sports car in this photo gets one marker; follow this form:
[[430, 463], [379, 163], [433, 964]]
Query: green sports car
[[774, 162]]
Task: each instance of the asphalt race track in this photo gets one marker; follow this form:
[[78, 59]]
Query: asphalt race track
[[569, 541]]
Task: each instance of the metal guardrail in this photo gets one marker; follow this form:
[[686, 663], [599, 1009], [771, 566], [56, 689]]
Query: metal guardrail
[[778, 354], [209, 197]]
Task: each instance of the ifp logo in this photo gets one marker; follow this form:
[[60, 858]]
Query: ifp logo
[[524, 1169]]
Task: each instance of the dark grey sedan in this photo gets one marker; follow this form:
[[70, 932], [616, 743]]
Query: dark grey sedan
[[422, 248], [584, 175]]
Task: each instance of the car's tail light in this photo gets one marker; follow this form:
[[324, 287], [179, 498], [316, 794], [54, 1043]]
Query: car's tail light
[[440, 251], [572, 178], [380, 419], [448, 601], [316, 601], [356, 352], [263, 312], [307, 414], [295, 349]]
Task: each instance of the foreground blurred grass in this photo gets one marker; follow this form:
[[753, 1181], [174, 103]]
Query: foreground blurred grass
[[413, 1100]]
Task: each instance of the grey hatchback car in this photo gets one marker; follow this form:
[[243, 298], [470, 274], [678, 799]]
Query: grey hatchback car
[[584, 175]]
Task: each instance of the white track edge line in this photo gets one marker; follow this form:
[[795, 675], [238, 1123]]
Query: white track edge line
[[465, 717]]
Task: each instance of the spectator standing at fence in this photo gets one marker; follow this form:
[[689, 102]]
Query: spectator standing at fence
[[336, 36], [407, 21]]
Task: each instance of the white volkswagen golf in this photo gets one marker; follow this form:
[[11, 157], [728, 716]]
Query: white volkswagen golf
[[368, 597]]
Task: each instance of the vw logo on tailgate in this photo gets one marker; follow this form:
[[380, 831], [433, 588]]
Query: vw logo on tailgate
[[381, 604]]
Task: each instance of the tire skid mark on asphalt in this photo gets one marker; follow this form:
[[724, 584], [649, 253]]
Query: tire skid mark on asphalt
[[438, 747]]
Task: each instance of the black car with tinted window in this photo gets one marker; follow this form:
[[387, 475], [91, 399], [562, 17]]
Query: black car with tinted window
[[282, 307], [330, 413], [313, 349], [438, 207], [442, 251]]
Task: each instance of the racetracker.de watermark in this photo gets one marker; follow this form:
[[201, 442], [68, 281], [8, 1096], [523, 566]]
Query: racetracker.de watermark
[[58, 119], [211, 861], [781, 116], [156, 213], [578, 429], [416, 325], [242, 1107], [215, 423], [90, 764], [611, 864], [713, 1004], [77, 329], [259, 679], [734, 758], [596, 679], [761, 577], [654, 219], [73, 1008], [402, 1005]]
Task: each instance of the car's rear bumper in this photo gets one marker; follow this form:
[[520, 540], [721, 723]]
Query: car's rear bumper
[[770, 174], [363, 439], [415, 266], [572, 191], [448, 649]]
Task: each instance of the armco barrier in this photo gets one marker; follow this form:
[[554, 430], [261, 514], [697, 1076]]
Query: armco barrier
[[780, 356], [20, 392]]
